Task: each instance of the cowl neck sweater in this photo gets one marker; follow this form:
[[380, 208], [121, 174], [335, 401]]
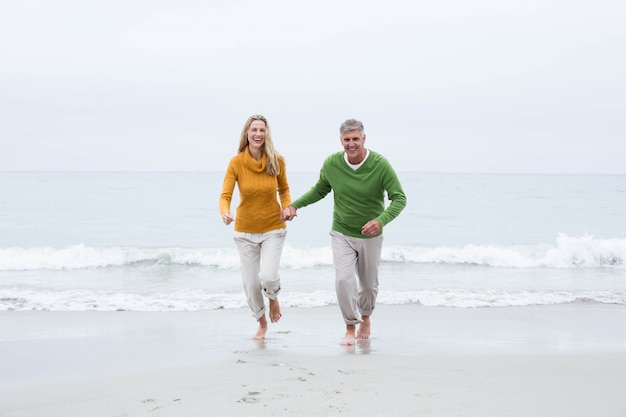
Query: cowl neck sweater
[[259, 193]]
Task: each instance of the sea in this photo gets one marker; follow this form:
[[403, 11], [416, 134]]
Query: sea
[[154, 241]]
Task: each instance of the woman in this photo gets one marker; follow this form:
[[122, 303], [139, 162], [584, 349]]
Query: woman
[[259, 172]]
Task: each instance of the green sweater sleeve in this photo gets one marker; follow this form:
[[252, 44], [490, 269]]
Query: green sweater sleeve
[[316, 193], [395, 193]]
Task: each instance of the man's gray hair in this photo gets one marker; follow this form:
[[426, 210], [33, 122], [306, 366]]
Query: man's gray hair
[[350, 125]]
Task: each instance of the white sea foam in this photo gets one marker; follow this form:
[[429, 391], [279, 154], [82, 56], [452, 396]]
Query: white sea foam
[[81, 256], [201, 300], [568, 252]]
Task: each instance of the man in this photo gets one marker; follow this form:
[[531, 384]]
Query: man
[[359, 179]]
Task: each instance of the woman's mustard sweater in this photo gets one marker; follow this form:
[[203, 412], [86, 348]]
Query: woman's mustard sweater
[[259, 209]]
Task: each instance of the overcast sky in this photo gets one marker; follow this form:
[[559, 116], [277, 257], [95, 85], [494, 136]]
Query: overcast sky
[[532, 86]]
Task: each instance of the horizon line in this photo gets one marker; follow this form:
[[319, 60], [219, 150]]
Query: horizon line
[[178, 171]]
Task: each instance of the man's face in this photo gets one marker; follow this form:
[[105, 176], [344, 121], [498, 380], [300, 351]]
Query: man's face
[[353, 143]]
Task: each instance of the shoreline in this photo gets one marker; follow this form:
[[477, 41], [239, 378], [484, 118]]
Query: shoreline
[[540, 361]]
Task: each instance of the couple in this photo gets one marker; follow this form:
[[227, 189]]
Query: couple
[[359, 179]]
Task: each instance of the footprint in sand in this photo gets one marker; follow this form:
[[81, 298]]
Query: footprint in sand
[[154, 403], [251, 397]]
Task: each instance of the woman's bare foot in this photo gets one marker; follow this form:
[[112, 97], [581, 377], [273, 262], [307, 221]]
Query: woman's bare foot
[[349, 339], [275, 313], [364, 328], [260, 333]]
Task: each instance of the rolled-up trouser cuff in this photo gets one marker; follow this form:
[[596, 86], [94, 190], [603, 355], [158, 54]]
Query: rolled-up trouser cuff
[[271, 294]]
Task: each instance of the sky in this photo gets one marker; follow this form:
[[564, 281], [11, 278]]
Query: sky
[[483, 86]]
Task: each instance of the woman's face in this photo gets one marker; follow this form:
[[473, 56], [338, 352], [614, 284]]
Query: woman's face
[[256, 134]]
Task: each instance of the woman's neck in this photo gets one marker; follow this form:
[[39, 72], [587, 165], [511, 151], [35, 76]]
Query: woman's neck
[[256, 153]]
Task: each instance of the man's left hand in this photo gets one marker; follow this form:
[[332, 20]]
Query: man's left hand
[[371, 228]]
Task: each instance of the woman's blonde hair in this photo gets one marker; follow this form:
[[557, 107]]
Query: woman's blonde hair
[[272, 168]]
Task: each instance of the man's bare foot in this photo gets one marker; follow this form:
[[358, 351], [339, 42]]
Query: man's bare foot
[[275, 313], [349, 339], [364, 328], [260, 333]]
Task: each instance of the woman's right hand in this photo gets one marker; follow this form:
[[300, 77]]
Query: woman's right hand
[[227, 218]]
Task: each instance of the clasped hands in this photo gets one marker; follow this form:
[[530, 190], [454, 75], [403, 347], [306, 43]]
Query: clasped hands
[[288, 213]]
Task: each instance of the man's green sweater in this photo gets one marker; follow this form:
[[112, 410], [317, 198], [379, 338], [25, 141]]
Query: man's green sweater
[[359, 195]]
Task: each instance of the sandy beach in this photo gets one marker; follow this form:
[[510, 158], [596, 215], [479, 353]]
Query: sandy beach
[[531, 361]]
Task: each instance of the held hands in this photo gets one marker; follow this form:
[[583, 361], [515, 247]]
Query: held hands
[[371, 228], [227, 218], [288, 213]]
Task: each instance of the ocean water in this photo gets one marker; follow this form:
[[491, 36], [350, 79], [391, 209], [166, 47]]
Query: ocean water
[[155, 242]]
